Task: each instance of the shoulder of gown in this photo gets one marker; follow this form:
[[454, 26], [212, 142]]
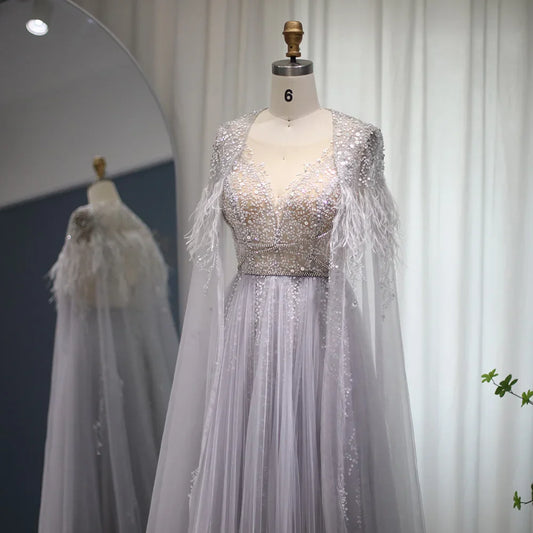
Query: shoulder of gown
[[110, 244], [367, 220], [358, 145]]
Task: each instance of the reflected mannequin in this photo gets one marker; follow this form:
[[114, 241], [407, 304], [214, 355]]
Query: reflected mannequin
[[103, 190], [114, 353]]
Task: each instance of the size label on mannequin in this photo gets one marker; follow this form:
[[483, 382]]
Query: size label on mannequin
[[288, 95]]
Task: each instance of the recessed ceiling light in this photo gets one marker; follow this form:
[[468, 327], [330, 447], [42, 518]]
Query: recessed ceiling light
[[37, 27]]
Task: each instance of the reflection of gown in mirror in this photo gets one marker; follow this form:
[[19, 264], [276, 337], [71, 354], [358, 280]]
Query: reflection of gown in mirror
[[292, 415], [114, 352]]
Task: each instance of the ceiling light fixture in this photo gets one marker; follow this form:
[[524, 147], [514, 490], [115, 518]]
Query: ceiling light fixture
[[41, 12], [37, 27]]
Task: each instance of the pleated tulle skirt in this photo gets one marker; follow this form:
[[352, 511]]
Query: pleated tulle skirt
[[259, 467], [110, 388]]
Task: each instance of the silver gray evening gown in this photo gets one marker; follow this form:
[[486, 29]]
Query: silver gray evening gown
[[289, 411]]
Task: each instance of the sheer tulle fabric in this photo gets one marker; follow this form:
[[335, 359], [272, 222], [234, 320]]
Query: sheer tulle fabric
[[113, 357], [259, 463], [268, 451]]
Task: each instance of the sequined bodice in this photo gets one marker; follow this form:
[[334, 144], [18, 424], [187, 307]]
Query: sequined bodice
[[286, 234]]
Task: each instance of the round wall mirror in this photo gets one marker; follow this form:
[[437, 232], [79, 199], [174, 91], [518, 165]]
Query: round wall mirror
[[69, 92]]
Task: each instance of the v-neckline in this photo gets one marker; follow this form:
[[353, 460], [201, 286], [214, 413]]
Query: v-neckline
[[278, 200]]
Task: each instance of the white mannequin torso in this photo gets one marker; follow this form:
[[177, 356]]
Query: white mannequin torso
[[293, 131], [102, 191]]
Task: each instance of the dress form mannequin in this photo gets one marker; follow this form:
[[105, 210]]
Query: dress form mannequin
[[294, 130], [115, 347], [103, 194], [103, 190]]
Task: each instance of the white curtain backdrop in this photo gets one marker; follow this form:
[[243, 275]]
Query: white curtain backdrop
[[451, 86]]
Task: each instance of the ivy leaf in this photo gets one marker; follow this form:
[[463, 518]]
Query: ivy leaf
[[487, 378], [505, 385], [517, 501], [526, 397]]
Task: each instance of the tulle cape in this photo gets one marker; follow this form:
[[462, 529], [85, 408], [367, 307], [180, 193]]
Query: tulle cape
[[368, 463], [114, 354]]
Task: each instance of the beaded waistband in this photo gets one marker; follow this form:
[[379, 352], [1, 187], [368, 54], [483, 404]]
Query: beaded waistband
[[281, 272], [302, 258]]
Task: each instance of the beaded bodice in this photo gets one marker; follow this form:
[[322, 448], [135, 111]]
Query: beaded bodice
[[329, 217], [286, 234]]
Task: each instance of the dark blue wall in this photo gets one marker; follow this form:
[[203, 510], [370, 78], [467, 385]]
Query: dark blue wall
[[31, 236]]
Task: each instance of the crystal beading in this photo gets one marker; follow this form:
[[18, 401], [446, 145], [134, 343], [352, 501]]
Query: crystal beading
[[359, 216], [287, 235]]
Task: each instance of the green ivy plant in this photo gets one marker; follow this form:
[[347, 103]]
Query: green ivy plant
[[502, 388]]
